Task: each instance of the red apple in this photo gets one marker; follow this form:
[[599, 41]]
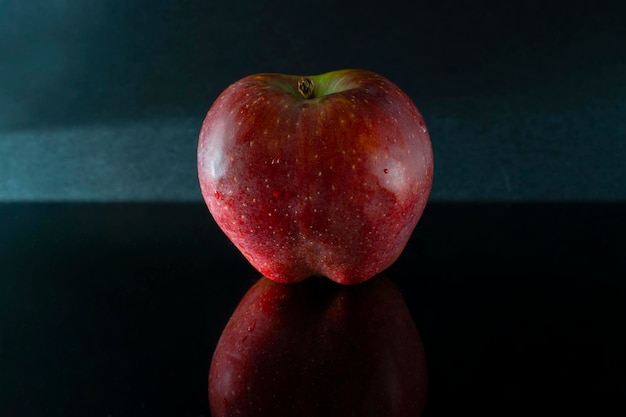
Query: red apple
[[316, 175], [317, 348]]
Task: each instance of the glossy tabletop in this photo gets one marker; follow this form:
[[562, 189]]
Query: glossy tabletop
[[116, 309]]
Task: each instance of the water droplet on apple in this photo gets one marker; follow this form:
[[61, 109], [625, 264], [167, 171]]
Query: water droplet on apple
[[422, 125], [218, 195], [276, 159], [386, 171], [251, 326]]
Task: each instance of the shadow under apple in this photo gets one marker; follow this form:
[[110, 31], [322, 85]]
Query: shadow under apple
[[318, 348]]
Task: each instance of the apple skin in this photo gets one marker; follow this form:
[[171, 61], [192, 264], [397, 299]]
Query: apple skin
[[317, 348], [329, 185]]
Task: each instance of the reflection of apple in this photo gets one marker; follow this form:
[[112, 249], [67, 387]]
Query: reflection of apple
[[319, 349], [319, 175]]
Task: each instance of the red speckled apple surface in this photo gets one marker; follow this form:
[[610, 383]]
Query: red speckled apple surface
[[322, 175]]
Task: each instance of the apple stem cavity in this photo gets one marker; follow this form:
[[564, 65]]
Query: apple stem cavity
[[306, 87]]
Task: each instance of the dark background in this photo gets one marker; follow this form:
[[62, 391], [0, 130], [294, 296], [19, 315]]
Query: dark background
[[103, 100], [115, 283]]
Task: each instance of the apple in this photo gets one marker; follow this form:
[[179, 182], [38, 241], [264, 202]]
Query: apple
[[318, 348], [323, 175]]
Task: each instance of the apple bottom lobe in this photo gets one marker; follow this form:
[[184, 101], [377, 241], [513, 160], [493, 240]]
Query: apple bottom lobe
[[347, 251], [315, 259]]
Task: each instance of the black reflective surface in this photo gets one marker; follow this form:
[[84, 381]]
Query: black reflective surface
[[115, 309]]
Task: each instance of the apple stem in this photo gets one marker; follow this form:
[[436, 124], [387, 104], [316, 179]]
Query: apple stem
[[306, 87]]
